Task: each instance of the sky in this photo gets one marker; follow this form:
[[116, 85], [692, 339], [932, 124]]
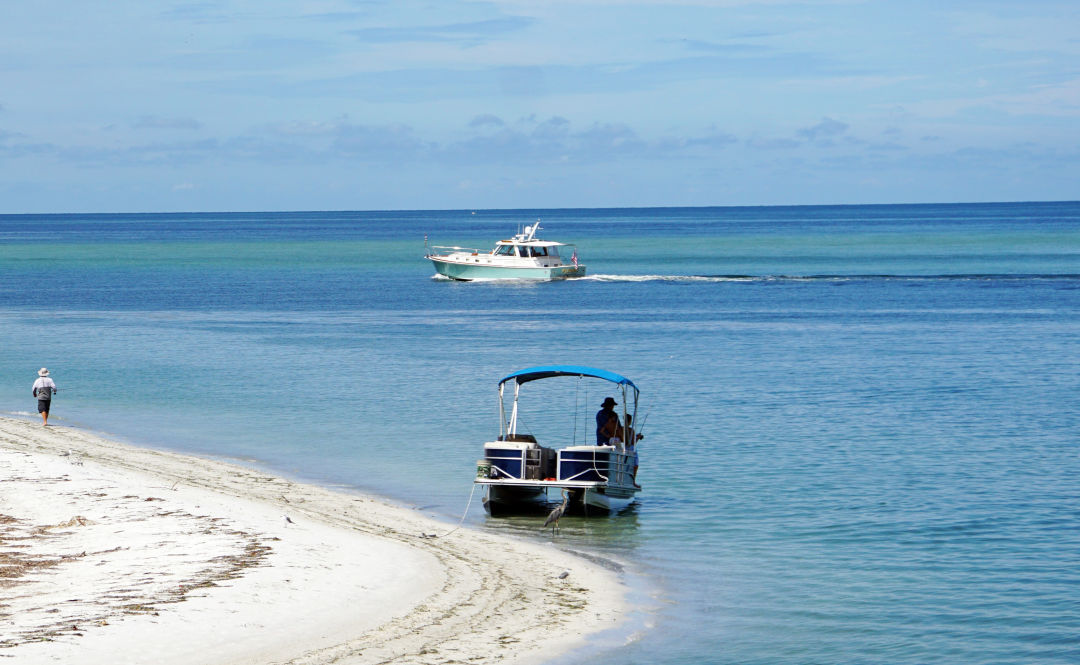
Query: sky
[[257, 105]]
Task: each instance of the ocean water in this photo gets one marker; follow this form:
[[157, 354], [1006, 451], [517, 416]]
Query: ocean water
[[862, 422]]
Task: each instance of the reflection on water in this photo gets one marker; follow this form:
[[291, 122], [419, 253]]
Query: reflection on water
[[614, 534]]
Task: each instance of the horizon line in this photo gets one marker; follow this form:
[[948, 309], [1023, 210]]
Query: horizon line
[[554, 209]]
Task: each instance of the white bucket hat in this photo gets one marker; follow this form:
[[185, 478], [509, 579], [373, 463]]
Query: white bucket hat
[[43, 372]]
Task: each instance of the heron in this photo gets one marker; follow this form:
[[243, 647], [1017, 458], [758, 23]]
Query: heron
[[560, 510]]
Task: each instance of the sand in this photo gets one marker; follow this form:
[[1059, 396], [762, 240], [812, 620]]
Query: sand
[[114, 554]]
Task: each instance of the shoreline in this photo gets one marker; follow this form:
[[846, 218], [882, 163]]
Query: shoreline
[[113, 553]]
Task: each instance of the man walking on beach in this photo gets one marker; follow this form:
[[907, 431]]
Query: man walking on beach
[[43, 391]]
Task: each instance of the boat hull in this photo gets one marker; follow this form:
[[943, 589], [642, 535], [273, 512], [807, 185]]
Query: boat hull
[[520, 499], [465, 272], [499, 501], [602, 501], [522, 477]]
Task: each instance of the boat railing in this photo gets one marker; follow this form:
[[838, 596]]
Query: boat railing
[[535, 464], [474, 250], [594, 470], [531, 463], [588, 464]]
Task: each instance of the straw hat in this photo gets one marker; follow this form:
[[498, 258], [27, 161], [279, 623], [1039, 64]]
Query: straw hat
[[43, 372]]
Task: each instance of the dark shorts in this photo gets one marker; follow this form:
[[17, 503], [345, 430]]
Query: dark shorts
[[43, 405]]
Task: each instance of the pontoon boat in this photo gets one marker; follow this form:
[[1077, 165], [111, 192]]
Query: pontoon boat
[[519, 473]]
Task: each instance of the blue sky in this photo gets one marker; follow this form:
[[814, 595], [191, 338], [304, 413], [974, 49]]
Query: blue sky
[[358, 105]]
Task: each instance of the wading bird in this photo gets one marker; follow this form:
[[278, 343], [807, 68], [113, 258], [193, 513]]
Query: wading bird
[[560, 510]]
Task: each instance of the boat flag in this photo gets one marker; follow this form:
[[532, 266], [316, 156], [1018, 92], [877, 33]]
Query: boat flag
[[573, 258]]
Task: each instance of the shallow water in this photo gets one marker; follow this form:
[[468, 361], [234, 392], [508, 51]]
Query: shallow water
[[861, 421]]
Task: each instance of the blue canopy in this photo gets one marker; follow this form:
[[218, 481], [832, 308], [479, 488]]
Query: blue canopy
[[546, 371]]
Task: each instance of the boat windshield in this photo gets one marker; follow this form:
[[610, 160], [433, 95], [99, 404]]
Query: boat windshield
[[526, 251]]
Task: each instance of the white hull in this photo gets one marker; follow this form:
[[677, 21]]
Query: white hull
[[605, 503], [468, 269]]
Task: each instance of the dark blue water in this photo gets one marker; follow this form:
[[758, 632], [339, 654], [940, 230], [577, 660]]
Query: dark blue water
[[861, 435]]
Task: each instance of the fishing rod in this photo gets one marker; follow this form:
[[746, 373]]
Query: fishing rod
[[641, 428]]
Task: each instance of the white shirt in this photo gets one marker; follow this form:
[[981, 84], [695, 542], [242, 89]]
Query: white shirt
[[45, 382]]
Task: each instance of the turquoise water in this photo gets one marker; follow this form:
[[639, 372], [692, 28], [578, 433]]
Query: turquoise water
[[861, 436]]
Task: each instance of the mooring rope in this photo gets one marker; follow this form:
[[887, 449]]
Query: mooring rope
[[463, 515]]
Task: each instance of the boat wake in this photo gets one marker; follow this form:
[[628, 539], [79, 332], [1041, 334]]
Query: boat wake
[[828, 278], [704, 279], [669, 278]]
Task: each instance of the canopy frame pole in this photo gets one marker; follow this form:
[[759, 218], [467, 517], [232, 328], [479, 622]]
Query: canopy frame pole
[[511, 428], [502, 415]]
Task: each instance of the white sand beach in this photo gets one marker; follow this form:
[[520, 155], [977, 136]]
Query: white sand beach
[[114, 554]]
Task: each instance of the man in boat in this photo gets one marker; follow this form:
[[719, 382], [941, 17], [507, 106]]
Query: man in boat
[[627, 434], [607, 422], [631, 438]]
